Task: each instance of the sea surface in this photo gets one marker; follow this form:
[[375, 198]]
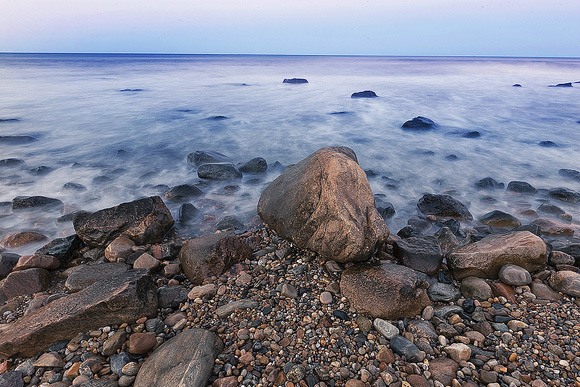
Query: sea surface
[[123, 125]]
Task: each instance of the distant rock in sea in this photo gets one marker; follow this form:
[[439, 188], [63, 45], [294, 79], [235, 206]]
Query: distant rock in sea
[[419, 123], [364, 94], [516, 85], [130, 90], [472, 134], [3, 120], [567, 84], [14, 140], [217, 118], [295, 81], [548, 144]]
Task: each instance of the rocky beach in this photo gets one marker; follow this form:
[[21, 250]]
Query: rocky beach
[[315, 290]]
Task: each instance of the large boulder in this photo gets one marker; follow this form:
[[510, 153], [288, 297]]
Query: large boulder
[[485, 258], [144, 221], [419, 253], [187, 360], [123, 298], [387, 291], [211, 254], [444, 206], [325, 204]]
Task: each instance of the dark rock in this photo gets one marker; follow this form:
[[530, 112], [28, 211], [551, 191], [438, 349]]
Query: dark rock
[[385, 209], [486, 257], [71, 186], [83, 276], [451, 157], [61, 248], [185, 360], [534, 229], [567, 84], [514, 275], [11, 163], [16, 140], [34, 202], [295, 80], [24, 282], [211, 254], [325, 204], [443, 370], [144, 221], [11, 379], [187, 213], [408, 232], [219, 171], [472, 134], [99, 180], [7, 262], [520, 187], [130, 90], [489, 182], [565, 195], [421, 254], [182, 191], [516, 85], [171, 297], [404, 347], [443, 206], [548, 144], [551, 209], [476, 288], [446, 240], [552, 227], [198, 158], [468, 305], [229, 222], [217, 118], [125, 297], [500, 219], [440, 292], [569, 173], [118, 361], [364, 94], [255, 165], [386, 291], [420, 123], [40, 171]]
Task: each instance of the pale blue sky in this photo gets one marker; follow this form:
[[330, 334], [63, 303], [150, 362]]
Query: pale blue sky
[[373, 27]]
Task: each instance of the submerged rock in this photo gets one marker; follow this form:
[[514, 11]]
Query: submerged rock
[[34, 202], [364, 94], [11, 163], [520, 187], [295, 80], [197, 158], [565, 195], [569, 173], [182, 191], [548, 144], [16, 140], [218, 171], [500, 219], [420, 123], [443, 206], [489, 182], [566, 84], [255, 165], [325, 204]]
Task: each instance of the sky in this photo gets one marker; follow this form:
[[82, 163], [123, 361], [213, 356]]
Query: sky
[[324, 27]]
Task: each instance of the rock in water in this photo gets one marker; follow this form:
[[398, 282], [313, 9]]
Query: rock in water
[[211, 254], [325, 204], [364, 94], [387, 291], [125, 297], [422, 254], [219, 171], [419, 123], [197, 158], [144, 221], [255, 165], [486, 257], [443, 206], [187, 360], [500, 219], [295, 80]]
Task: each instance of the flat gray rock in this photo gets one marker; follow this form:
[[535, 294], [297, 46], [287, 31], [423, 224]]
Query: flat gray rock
[[187, 360], [385, 328], [227, 309]]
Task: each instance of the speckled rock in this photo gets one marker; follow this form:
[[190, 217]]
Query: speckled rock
[[567, 282], [119, 249], [23, 282], [47, 262], [477, 288], [514, 275], [486, 257], [21, 238], [444, 206], [387, 291]]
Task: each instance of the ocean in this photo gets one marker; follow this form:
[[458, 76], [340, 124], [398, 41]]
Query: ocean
[[122, 126]]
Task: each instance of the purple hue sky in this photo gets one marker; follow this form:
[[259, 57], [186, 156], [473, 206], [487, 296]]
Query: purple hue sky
[[374, 27]]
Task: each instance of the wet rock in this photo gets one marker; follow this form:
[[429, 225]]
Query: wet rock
[[325, 204], [125, 297], [500, 219], [72, 186], [83, 276], [185, 360], [7, 262], [387, 291], [486, 257], [119, 249], [476, 288], [143, 221], [182, 191], [255, 166], [552, 227], [23, 282], [198, 158], [404, 347], [46, 262], [489, 182], [172, 297], [472, 134], [229, 222], [35, 202], [551, 209], [16, 140], [439, 292], [364, 94], [566, 84], [219, 171], [11, 163], [385, 209], [187, 213], [560, 258], [569, 173], [567, 282], [21, 238], [295, 80], [421, 254], [443, 206], [520, 187], [61, 248], [211, 255], [420, 123], [514, 275], [422, 329], [565, 195]]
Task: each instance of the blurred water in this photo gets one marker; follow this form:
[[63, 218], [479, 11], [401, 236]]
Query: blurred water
[[73, 105]]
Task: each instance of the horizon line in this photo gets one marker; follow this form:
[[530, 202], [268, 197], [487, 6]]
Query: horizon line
[[294, 55]]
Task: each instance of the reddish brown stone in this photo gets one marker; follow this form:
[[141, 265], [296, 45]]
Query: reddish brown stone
[[499, 289], [47, 262], [141, 343], [443, 370], [541, 290], [552, 227], [567, 282], [29, 281], [417, 381], [230, 381], [17, 239], [385, 355]]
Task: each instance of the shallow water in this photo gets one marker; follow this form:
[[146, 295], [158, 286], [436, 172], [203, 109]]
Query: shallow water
[[82, 109]]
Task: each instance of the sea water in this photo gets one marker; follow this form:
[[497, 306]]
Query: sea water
[[123, 125]]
